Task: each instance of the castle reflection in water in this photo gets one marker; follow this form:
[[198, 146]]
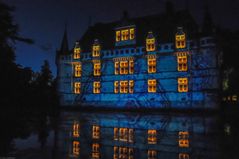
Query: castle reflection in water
[[135, 136]]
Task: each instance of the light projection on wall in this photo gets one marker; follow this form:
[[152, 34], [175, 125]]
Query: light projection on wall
[[150, 42], [182, 61], [183, 84], [183, 139], [180, 39], [125, 34]]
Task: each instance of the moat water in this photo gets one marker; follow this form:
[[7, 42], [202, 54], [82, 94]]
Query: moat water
[[74, 134]]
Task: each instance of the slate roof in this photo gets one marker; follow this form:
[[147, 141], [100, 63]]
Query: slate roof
[[163, 26]]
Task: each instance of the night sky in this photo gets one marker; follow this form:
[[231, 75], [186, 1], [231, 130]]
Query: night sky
[[44, 20]]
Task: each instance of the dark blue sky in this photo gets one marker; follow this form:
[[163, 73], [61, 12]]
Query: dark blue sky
[[44, 20]]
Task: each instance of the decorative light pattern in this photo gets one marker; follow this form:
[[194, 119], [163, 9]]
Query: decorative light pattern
[[151, 64], [152, 154], [76, 129], [76, 148], [183, 156], [95, 151], [77, 51], [95, 132], [150, 42], [97, 67]]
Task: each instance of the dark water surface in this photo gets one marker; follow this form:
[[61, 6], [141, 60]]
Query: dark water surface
[[75, 134]]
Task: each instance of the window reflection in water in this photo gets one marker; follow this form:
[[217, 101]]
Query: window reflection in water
[[152, 154], [95, 151], [76, 129], [76, 148], [152, 136], [183, 140], [145, 136]]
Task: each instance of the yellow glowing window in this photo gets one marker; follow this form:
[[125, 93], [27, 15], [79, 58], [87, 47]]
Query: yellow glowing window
[[116, 133], [117, 36], [116, 68], [180, 41], [132, 33], [131, 135], [95, 132], [76, 148], [78, 70], [182, 61], [116, 86], [123, 134], [152, 154], [124, 67], [183, 139], [151, 64], [183, 156], [116, 152], [130, 153], [96, 87], [152, 136], [131, 66], [182, 84], [131, 86], [152, 85], [97, 68], [77, 53], [76, 129], [77, 87], [95, 150], [150, 44], [96, 50], [124, 35], [123, 152], [123, 86]]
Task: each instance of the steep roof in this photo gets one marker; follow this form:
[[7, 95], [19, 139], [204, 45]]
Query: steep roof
[[163, 26], [64, 50]]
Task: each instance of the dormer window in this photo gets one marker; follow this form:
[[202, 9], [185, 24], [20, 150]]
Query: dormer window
[[125, 34], [96, 49], [77, 51], [180, 39], [150, 42]]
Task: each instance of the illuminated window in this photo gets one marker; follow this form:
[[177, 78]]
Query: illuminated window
[[116, 68], [76, 148], [183, 139], [150, 42], [77, 87], [116, 86], [152, 154], [95, 132], [132, 33], [152, 136], [117, 36], [182, 61], [152, 85], [131, 86], [131, 135], [116, 152], [183, 156], [96, 87], [124, 35], [95, 151], [131, 66], [116, 133], [151, 64], [182, 84], [123, 86], [96, 48], [77, 51], [97, 68], [124, 67], [78, 70], [76, 129], [123, 134], [180, 39], [123, 153]]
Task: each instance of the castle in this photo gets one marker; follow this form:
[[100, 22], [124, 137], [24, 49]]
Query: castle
[[156, 61]]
